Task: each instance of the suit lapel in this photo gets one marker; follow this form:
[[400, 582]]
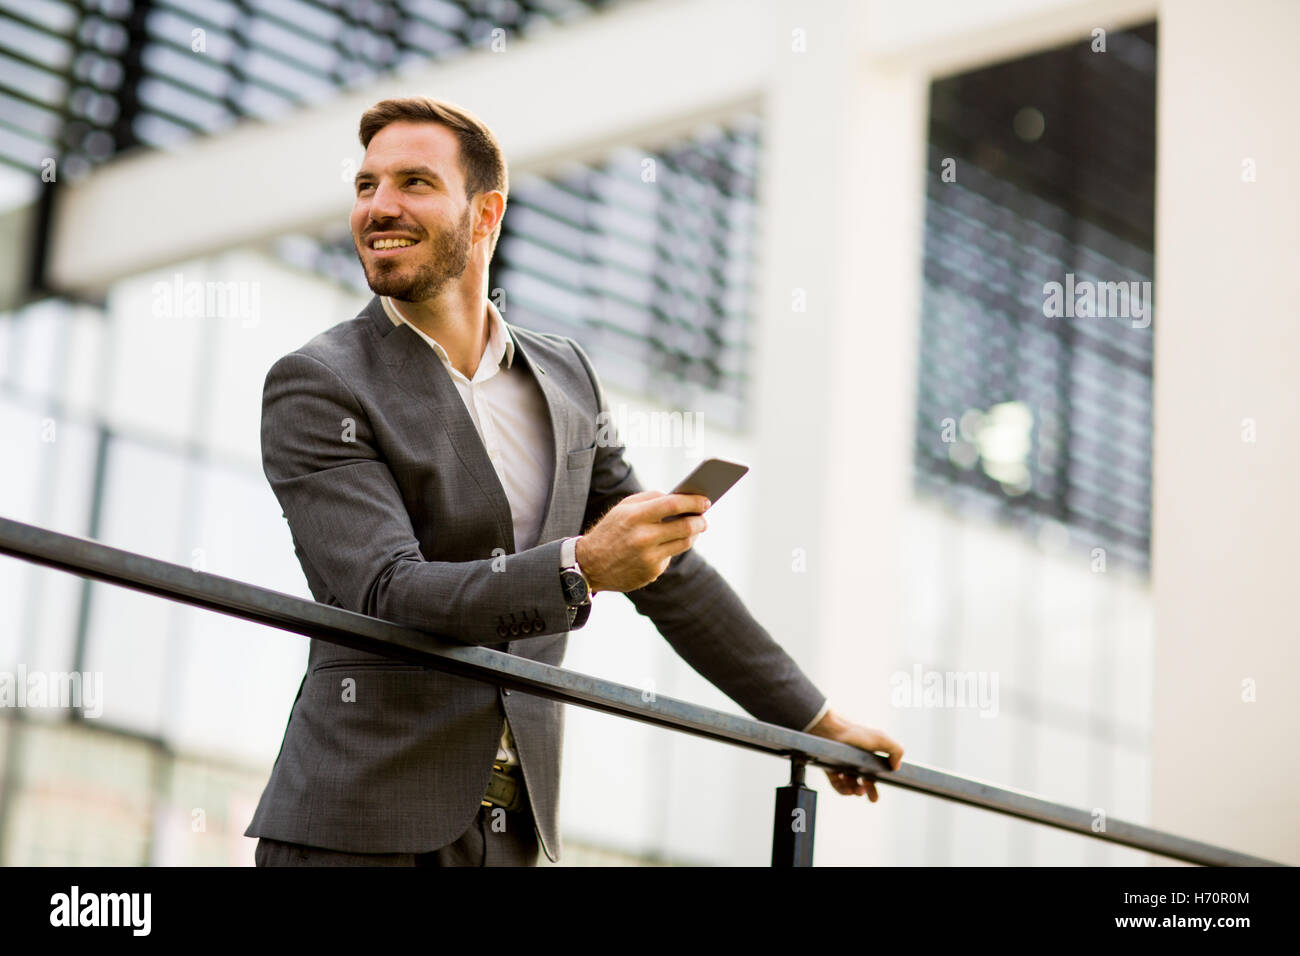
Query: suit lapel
[[418, 371]]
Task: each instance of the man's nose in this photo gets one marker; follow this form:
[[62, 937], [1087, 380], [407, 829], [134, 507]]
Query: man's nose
[[384, 203]]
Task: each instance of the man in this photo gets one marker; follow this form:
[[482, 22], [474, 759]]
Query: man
[[439, 468]]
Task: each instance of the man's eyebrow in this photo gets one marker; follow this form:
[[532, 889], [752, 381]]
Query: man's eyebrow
[[423, 171]]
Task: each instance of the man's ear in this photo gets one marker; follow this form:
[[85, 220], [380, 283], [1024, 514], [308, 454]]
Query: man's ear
[[488, 207]]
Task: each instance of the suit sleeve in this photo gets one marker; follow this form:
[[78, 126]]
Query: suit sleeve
[[698, 613], [353, 534]]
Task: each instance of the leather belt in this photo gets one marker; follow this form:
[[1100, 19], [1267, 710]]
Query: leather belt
[[504, 789]]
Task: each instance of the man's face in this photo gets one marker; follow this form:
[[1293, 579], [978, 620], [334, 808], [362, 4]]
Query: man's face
[[411, 189]]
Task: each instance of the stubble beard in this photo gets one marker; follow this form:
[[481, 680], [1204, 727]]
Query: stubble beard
[[446, 257]]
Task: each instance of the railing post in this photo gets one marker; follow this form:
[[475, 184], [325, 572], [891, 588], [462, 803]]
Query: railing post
[[793, 827]]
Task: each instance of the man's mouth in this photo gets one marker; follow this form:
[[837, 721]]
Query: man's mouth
[[389, 245]]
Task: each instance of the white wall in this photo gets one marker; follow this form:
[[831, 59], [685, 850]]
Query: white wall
[[1227, 358]]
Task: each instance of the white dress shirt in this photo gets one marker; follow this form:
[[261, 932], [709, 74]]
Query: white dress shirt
[[509, 411]]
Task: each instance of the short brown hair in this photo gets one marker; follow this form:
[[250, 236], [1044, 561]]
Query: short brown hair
[[482, 162]]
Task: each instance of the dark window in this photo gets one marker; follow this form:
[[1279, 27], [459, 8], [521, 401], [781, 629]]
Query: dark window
[[1025, 414]]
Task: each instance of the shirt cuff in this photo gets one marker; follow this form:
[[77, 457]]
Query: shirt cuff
[[820, 714]]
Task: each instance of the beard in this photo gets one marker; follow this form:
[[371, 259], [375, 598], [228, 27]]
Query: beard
[[408, 279]]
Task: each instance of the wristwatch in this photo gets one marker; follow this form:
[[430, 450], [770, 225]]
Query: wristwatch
[[572, 580]]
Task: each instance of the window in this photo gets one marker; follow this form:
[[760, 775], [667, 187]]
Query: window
[[1034, 378]]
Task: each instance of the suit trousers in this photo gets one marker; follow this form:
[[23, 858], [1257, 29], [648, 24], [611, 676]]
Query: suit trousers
[[496, 838]]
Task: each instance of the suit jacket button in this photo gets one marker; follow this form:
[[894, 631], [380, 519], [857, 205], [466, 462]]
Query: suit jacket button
[[525, 628], [502, 631], [514, 630], [539, 625]]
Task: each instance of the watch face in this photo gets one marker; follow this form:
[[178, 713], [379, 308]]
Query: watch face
[[575, 586]]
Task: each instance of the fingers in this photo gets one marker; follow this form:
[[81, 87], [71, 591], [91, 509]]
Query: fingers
[[875, 740], [853, 784], [842, 782], [665, 552], [891, 747], [691, 527], [674, 537], [667, 505], [850, 784], [678, 541]]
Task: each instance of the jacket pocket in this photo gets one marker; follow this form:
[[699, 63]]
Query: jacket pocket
[[582, 458]]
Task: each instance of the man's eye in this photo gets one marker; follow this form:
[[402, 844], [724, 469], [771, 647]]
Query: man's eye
[[417, 179]]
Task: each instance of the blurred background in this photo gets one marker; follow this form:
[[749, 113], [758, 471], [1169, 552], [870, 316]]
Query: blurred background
[[817, 237]]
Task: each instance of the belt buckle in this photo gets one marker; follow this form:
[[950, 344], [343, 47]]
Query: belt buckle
[[503, 790]]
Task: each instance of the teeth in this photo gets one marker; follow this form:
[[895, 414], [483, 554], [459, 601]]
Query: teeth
[[392, 243]]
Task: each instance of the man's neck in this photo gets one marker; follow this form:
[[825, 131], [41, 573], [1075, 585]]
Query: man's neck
[[455, 320]]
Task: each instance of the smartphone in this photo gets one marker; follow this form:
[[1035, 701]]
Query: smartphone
[[710, 478]]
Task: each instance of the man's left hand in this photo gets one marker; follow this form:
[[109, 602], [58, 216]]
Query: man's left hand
[[834, 727]]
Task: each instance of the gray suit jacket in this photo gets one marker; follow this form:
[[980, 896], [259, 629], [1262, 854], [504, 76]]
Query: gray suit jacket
[[395, 509]]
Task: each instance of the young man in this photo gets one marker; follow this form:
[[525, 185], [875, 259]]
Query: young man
[[440, 469]]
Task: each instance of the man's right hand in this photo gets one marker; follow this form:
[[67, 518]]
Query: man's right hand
[[631, 545]]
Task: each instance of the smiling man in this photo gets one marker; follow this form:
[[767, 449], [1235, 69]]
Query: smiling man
[[439, 468]]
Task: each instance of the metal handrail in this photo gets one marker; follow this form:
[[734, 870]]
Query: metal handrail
[[91, 559]]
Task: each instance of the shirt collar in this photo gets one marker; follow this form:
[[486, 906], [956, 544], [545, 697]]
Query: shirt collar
[[500, 342]]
